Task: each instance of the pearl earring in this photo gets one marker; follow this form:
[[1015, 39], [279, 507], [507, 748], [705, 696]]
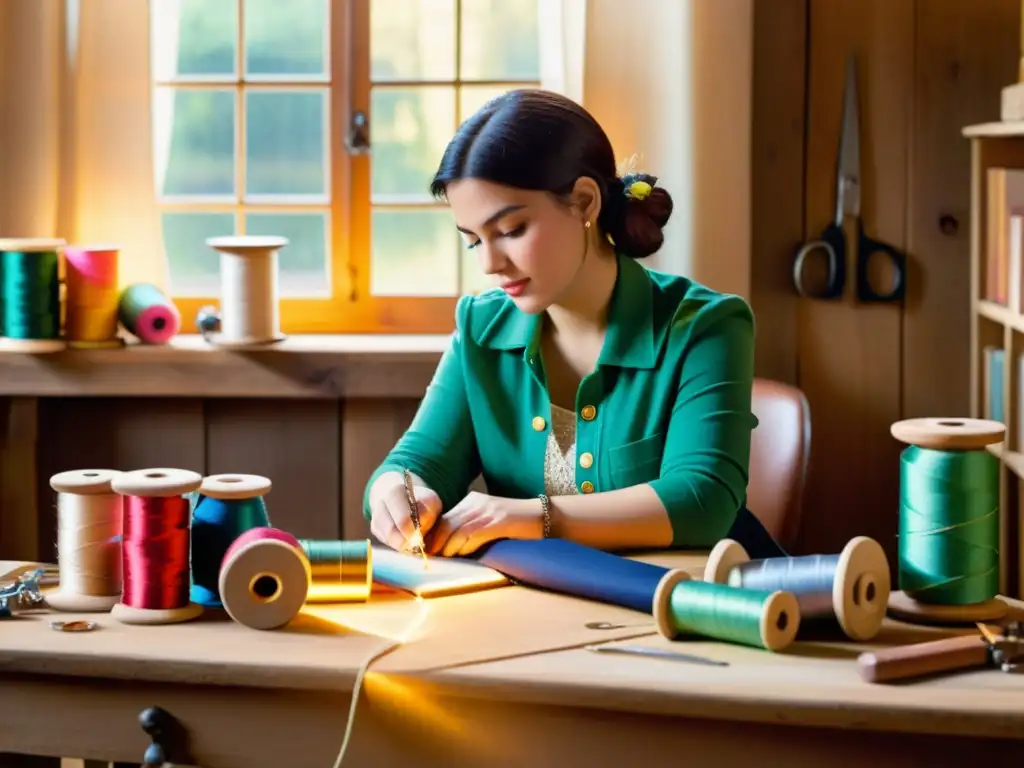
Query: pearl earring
[[587, 225]]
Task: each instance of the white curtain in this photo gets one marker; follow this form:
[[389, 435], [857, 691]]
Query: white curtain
[[563, 39], [76, 141]]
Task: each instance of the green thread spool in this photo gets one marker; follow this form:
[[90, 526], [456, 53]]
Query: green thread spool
[[342, 570], [148, 314], [949, 526], [949, 568], [30, 315], [758, 618]]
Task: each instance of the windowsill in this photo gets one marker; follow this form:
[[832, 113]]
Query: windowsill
[[302, 366]]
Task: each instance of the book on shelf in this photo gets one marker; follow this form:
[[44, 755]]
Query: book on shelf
[[1004, 251], [995, 397]]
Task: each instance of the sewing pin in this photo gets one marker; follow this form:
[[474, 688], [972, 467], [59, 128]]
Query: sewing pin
[[658, 653]]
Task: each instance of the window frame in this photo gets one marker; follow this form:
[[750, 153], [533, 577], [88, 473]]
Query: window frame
[[351, 308]]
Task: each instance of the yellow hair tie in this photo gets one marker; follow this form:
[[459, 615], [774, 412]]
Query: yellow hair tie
[[639, 190]]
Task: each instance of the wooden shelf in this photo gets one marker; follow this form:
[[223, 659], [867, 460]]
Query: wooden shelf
[[300, 367], [994, 130]]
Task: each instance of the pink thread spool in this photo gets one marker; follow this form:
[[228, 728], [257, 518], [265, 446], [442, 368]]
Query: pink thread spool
[[264, 578], [148, 314]]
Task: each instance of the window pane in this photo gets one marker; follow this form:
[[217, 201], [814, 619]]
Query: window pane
[[409, 131], [412, 40], [194, 267], [473, 97], [286, 37], [415, 253], [302, 263], [285, 142], [193, 38], [500, 40], [194, 136]]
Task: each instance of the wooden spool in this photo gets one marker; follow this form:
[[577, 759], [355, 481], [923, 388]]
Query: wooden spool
[[860, 589], [947, 434]]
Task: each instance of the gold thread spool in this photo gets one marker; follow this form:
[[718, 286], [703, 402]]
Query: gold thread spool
[[89, 525], [91, 297], [342, 571]]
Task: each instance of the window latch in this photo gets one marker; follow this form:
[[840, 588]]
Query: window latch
[[358, 140]]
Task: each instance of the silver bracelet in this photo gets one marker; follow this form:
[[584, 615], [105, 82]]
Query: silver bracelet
[[545, 506]]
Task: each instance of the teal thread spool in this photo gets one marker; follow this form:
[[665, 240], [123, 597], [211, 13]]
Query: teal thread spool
[[342, 570], [224, 507], [950, 526], [758, 618], [30, 305]]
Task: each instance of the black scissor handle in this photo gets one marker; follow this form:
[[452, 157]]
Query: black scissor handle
[[868, 248], [832, 246]]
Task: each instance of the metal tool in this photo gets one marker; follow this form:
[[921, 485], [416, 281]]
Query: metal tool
[[832, 243], [414, 512], [22, 594], [1002, 650], [658, 653]]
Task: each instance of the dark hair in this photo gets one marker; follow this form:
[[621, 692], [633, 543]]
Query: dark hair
[[540, 140]]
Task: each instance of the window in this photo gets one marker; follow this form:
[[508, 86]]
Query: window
[[259, 108]]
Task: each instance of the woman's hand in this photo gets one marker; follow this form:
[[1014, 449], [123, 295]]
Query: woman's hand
[[390, 518], [479, 519]]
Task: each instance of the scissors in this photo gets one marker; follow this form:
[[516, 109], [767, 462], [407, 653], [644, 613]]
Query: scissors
[[832, 243]]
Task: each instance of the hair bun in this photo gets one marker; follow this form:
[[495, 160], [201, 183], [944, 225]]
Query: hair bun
[[636, 220]]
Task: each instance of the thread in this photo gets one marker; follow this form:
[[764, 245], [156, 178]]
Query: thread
[[249, 298], [851, 587], [30, 315], [89, 527], [91, 297], [342, 571], [949, 525], [758, 618], [148, 314], [264, 579], [156, 546], [224, 507]]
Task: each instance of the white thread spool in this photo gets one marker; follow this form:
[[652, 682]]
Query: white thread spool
[[89, 525], [249, 293]]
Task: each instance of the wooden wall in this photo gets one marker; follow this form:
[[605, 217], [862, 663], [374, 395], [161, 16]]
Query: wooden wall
[[927, 68]]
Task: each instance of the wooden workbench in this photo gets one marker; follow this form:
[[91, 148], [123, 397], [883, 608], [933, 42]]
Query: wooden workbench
[[475, 687]]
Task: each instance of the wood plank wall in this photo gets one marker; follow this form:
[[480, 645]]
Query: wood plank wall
[[927, 68]]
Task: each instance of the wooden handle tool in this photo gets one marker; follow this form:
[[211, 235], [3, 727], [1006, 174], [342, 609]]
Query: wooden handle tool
[[906, 661]]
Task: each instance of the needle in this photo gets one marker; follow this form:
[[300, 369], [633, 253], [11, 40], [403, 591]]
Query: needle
[[414, 512], [659, 653]]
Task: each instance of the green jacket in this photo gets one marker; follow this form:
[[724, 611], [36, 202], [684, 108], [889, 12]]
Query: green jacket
[[668, 404]]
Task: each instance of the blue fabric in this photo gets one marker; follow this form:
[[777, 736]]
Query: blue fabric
[[574, 569]]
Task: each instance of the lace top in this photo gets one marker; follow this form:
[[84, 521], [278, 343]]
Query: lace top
[[560, 459]]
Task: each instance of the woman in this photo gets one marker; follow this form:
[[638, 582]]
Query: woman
[[602, 402]]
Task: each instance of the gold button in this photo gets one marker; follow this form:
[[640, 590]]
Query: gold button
[[587, 460], [587, 487], [588, 413], [539, 423]]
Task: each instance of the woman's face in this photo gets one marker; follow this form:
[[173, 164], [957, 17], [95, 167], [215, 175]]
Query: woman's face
[[529, 243]]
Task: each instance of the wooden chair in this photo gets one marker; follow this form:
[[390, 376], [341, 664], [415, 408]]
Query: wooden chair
[[779, 452]]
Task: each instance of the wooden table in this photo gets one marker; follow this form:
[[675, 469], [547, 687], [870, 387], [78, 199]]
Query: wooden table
[[448, 698]]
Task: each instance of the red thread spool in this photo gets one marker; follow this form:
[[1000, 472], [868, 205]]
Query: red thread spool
[[156, 547], [264, 578]]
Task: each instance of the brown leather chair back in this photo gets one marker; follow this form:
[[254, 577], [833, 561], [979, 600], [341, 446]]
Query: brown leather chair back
[[779, 451]]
